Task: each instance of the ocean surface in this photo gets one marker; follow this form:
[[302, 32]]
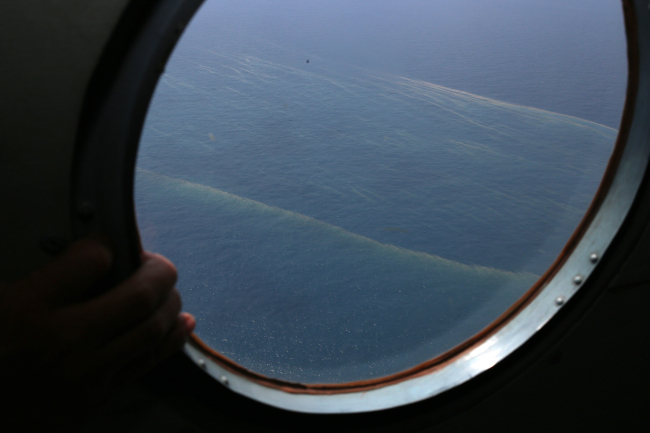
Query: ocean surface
[[351, 188]]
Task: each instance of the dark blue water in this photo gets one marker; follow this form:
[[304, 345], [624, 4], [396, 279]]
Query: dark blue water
[[357, 214]]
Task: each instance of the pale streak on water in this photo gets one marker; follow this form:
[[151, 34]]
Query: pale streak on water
[[334, 223]]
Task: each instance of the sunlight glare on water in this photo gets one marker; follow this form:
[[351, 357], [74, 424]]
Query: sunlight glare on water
[[350, 190]]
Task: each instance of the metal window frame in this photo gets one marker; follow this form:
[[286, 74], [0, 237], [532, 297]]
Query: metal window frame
[[114, 112]]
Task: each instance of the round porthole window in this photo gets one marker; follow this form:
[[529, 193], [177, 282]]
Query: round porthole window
[[369, 205]]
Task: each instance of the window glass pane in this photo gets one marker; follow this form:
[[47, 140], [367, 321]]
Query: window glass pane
[[351, 188]]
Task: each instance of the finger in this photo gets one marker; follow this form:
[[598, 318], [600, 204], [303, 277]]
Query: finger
[[134, 301], [189, 322], [147, 361], [146, 255], [147, 338], [73, 272]]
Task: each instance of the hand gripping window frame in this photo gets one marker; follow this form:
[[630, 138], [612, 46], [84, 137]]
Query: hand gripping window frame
[[114, 110]]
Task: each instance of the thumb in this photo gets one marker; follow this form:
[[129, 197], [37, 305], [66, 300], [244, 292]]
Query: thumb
[[73, 272]]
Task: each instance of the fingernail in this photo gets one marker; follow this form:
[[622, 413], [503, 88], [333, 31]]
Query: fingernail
[[189, 323]]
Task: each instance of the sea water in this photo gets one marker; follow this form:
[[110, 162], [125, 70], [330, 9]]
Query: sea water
[[351, 188]]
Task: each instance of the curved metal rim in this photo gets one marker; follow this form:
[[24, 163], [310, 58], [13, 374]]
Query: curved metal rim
[[563, 279]]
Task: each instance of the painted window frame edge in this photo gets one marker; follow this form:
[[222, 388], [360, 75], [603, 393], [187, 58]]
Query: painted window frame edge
[[104, 169]]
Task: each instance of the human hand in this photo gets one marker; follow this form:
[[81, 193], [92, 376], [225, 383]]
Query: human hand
[[59, 355]]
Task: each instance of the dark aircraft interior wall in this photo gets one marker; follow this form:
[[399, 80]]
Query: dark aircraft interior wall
[[586, 370]]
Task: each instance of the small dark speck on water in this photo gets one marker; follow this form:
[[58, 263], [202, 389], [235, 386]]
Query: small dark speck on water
[[307, 61]]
